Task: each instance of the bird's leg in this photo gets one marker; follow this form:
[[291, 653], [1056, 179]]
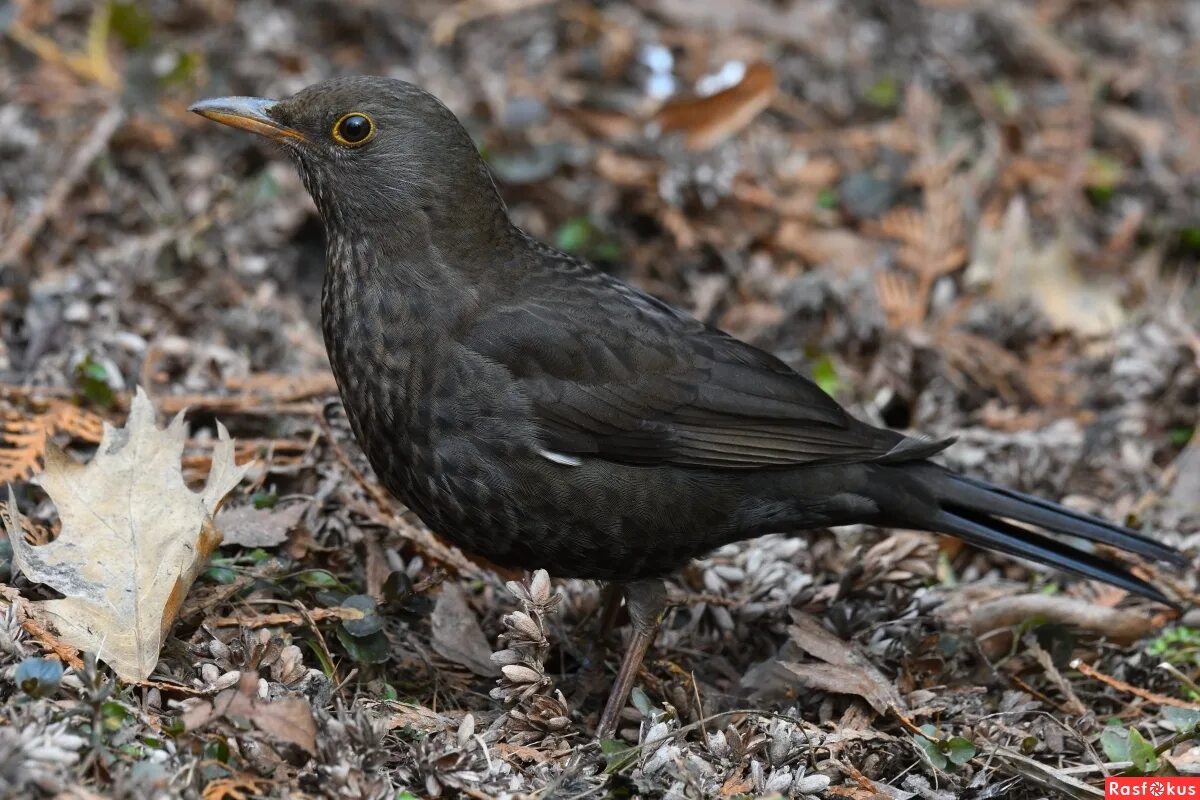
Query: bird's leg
[[646, 601], [610, 607], [591, 673]]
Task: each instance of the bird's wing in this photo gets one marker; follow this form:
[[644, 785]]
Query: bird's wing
[[617, 374]]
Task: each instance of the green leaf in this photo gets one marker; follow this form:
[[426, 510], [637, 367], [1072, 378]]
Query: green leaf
[[827, 198], [1190, 238], [92, 379], [579, 235], [217, 750], [884, 93], [1180, 435], [322, 656], [187, 66], [1103, 176], [824, 373], [320, 578], [264, 500], [258, 556], [642, 702], [1178, 645], [1005, 97], [1141, 753], [960, 750], [397, 590], [373, 649], [370, 624], [574, 234], [1181, 719], [618, 755], [113, 715], [130, 22], [220, 575], [1115, 743], [931, 746]]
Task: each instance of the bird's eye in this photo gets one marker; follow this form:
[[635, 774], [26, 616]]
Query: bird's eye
[[353, 129]]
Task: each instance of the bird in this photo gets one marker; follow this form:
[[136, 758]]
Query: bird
[[540, 413]]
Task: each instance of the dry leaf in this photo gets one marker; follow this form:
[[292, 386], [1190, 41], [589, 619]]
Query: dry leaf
[[288, 719], [231, 788], [425, 720], [253, 527], [133, 539], [23, 438], [845, 670], [707, 120], [457, 635]]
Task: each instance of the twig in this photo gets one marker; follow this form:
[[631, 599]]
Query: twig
[[19, 241], [1073, 704], [1122, 686], [285, 618]]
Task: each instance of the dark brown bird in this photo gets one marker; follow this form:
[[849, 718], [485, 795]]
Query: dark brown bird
[[542, 414]]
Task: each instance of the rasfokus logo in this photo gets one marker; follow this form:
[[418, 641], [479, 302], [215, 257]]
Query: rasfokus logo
[[1153, 788]]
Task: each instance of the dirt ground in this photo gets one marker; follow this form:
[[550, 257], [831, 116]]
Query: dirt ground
[[965, 218]]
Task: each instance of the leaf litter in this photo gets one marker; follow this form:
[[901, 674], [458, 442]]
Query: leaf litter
[[134, 537], [967, 219]]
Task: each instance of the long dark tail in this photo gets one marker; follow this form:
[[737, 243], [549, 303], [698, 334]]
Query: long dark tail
[[980, 514]]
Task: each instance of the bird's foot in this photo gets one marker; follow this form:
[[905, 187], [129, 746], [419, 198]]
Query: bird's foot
[[646, 601]]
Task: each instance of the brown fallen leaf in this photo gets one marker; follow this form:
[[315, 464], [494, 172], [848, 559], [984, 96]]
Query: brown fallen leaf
[[844, 671], [707, 120], [425, 720], [134, 537], [286, 618], [457, 635], [288, 719], [240, 787], [254, 527], [25, 437]]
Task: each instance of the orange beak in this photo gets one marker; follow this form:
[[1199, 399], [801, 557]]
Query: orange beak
[[247, 113]]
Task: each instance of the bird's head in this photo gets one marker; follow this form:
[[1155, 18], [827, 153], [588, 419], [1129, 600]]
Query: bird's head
[[375, 152]]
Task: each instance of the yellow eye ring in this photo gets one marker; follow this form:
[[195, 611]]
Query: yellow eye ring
[[354, 129]]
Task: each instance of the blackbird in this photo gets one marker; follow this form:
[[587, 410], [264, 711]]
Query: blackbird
[[540, 413]]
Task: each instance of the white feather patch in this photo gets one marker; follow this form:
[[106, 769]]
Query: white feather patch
[[560, 458]]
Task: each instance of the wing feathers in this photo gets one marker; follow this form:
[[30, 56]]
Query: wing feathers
[[654, 386]]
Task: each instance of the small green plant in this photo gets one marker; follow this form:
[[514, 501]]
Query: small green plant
[[92, 379], [884, 93], [364, 639], [581, 236], [1128, 744], [130, 22], [942, 753], [1179, 645], [825, 375]]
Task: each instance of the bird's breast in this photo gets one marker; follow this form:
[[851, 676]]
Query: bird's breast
[[437, 422]]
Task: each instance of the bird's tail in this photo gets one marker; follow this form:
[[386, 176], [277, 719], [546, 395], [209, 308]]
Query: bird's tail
[[982, 514]]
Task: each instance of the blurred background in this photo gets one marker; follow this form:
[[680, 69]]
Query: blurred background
[[964, 217]]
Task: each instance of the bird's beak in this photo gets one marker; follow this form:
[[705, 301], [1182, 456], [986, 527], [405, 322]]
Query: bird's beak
[[247, 113]]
